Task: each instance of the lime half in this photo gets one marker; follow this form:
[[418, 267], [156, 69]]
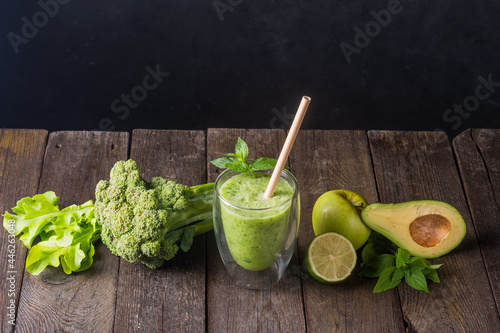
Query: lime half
[[330, 258]]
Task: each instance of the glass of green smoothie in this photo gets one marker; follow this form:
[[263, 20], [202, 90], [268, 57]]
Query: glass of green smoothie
[[256, 236]]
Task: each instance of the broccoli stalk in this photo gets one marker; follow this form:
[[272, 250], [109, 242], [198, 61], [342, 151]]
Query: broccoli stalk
[[143, 222], [191, 203]]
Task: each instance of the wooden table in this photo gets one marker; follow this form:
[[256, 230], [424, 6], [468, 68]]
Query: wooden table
[[193, 293]]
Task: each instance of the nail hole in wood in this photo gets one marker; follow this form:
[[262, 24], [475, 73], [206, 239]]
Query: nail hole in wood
[[113, 146], [58, 146]]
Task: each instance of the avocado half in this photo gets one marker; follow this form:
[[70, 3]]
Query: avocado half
[[426, 228]]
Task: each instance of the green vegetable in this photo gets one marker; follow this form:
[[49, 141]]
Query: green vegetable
[[66, 235], [138, 221], [390, 264], [143, 222], [237, 161]]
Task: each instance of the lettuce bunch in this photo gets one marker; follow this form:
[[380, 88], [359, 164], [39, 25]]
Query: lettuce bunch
[[64, 237]]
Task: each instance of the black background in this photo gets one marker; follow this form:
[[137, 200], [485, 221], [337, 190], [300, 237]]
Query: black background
[[249, 66]]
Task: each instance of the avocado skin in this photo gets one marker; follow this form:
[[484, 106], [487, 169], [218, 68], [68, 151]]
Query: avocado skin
[[393, 221]]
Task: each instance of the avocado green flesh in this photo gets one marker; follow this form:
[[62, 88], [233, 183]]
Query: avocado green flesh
[[426, 228]]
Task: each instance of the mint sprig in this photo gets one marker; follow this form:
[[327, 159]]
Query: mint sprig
[[237, 161], [390, 264]]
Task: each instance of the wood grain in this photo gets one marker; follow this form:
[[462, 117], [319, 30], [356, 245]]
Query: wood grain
[[420, 165], [81, 302], [232, 308], [193, 293], [478, 158], [488, 142], [21, 156], [329, 160], [172, 298]]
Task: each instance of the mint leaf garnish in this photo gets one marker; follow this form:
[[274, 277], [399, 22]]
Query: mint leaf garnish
[[241, 149], [431, 274], [237, 161], [382, 259], [377, 265], [263, 163], [416, 280], [402, 257], [385, 282], [222, 162], [399, 273]]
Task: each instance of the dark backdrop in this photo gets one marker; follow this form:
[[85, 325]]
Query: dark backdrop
[[125, 64]]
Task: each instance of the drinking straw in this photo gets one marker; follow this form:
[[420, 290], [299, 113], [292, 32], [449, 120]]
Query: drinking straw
[[287, 147]]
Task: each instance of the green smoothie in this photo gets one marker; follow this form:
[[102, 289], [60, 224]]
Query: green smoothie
[[255, 231]]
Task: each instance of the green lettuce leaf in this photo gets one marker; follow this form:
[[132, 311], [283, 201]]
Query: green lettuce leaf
[[32, 215], [66, 236], [72, 248], [41, 214]]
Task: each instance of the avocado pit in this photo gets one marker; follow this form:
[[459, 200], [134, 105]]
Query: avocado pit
[[429, 230]]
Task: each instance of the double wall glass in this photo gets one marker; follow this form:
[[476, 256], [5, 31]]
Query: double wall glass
[[256, 245]]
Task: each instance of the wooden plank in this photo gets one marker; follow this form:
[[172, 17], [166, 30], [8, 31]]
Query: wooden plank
[[478, 157], [172, 298], [488, 142], [53, 301], [232, 308], [420, 165], [21, 156], [330, 160]]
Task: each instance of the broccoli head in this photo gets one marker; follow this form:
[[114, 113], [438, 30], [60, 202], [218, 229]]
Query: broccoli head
[[144, 222]]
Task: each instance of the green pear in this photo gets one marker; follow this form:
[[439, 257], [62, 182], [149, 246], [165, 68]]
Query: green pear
[[339, 211]]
